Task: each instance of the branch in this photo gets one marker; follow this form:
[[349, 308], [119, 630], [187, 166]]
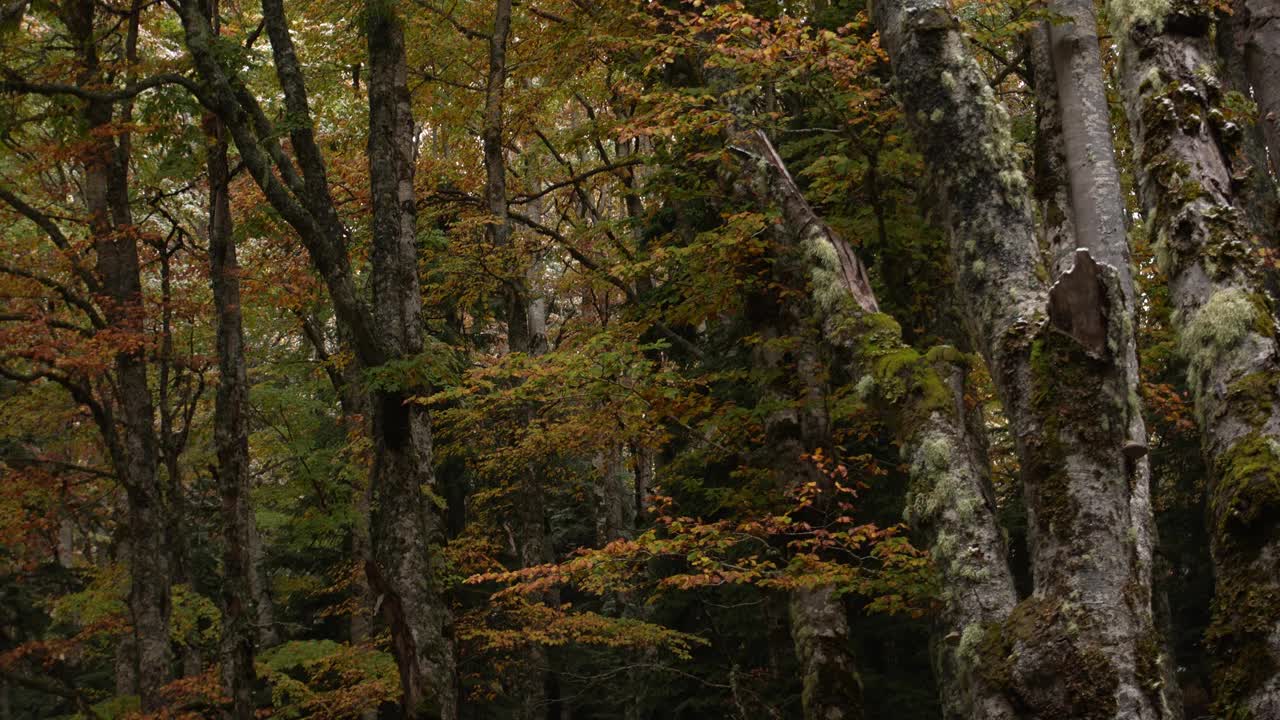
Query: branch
[[521, 199], [586, 262], [70, 467], [55, 234], [49, 687], [14, 84], [71, 298], [448, 17]]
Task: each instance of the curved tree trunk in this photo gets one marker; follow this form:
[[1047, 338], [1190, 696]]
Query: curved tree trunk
[[1191, 166]]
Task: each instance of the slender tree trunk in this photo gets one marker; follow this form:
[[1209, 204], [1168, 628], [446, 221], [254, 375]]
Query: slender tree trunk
[[526, 333], [831, 688], [405, 527], [1084, 644], [1191, 166], [231, 437], [130, 434]]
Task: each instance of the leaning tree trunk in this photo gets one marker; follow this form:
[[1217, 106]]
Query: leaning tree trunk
[[1084, 645], [950, 503], [231, 437], [1190, 168]]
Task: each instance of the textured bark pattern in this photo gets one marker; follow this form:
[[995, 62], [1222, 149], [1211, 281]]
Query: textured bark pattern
[[613, 496], [1084, 644], [405, 529], [951, 503], [1255, 29], [820, 631], [1050, 192], [1190, 168]]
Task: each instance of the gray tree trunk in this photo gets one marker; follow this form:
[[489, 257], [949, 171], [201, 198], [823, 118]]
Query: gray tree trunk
[[1255, 32], [1095, 204], [820, 632], [404, 525], [1190, 169], [1084, 645]]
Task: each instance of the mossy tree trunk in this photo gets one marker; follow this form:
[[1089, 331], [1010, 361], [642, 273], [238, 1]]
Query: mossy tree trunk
[[1192, 172], [1084, 644], [950, 503], [1255, 32]]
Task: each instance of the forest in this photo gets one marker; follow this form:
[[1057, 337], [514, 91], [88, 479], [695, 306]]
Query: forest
[[640, 359]]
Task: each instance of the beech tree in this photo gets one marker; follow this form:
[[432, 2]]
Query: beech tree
[[750, 358]]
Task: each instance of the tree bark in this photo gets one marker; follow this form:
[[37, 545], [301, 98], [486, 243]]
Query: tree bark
[[820, 632], [1095, 204], [127, 418], [1084, 644], [405, 528], [1255, 33], [1192, 174], [231, 438]]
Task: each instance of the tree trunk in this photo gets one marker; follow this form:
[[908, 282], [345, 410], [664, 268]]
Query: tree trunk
[[526, 333], [951, 502], [820, 631], [231, 437], [1084, 644], [405, 526], [831, 687], [1255, 33], [1190, 169], [1095, 204], [130, 435]]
